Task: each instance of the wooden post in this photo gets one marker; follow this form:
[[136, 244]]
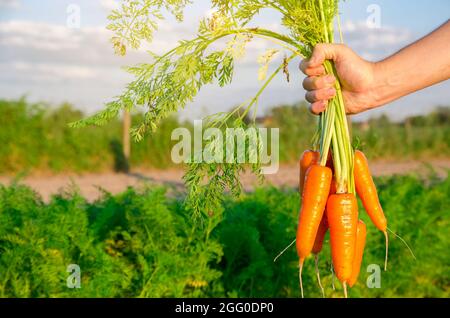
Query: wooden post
[[126, 135]]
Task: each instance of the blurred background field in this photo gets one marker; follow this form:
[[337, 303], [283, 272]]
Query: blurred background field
[[36, 138]]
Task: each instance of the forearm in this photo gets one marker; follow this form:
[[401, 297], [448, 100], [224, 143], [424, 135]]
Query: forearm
[[419, 65]]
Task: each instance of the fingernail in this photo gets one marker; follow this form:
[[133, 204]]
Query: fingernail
[[323, 106], [331, 91]]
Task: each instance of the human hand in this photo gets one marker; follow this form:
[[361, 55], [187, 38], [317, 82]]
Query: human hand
[[357, 78]]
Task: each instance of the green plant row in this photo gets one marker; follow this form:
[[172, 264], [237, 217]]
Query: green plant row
[[142, 243], [35, 138]]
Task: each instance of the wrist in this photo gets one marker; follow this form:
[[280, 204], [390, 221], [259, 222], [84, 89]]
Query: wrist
[[384, 85], [375, 94]]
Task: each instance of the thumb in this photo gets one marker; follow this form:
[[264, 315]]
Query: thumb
[[325, 51]]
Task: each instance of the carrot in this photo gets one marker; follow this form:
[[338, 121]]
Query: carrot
[[333, 187], [308, 158], [318, 243], [330, 163], [323, 226], [359, 251], [342, 214], [314, 199], [317, 248], [365, 187], [322, 230]]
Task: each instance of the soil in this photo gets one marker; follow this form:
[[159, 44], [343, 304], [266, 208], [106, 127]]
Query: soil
[[91, 186]]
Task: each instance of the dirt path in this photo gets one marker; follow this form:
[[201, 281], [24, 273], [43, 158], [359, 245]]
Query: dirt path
[[90, 185]]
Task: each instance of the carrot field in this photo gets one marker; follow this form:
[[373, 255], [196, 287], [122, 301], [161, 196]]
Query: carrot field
[[143, 243]]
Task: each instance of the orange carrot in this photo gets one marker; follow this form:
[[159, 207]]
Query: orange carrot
[[342, 214], [367, 191], [365, 187], [330, 163], [359, 251], [317, 248], [309, 158], [322, 230], [314, 199], [333, 187], [323, 227]]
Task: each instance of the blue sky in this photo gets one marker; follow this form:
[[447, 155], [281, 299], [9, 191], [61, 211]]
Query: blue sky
[[417, 15], [44, 59]]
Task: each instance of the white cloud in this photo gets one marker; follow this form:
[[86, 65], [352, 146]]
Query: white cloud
[[35, 35], [37, 55], [44, 42], [375, 43], [53, 71], [109, 5], [10, 4]]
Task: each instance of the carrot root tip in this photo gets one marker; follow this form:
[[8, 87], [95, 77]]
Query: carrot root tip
[[284, 250], [387, 250], [300, 268], [404, 242], [345, 289], [316, 263], [332, 277]]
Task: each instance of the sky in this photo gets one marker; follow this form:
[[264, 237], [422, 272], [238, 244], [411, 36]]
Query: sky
[[44, 59]]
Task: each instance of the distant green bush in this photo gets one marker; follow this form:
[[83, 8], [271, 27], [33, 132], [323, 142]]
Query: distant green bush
[[37, 138], [145, 244], [416, 137]]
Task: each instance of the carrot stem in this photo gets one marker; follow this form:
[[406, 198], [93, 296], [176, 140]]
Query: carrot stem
[[327, 136], [340, 188]]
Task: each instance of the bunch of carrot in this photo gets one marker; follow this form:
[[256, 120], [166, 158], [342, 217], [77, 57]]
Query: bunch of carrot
[[327, 206], [333, 174]]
